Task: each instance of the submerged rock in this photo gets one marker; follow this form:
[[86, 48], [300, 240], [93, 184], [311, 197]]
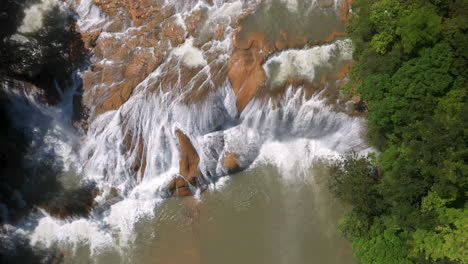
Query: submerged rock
[[71, 203]]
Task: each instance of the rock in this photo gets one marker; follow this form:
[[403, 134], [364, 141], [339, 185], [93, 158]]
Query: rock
[[326, 3], [343, 72], [113, 193], [189, 158], [194, 20], [172, 30], [219, 32], [345, 11], [246, 73], [110, 7], [188, 168], [231, 162], [89, 39], [333, 35], [71, 203]]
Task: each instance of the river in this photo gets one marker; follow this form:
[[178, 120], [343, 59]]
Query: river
[[208, 128]]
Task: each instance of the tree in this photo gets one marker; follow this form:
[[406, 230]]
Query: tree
[[419, 28], [449, 239], [354, 182]]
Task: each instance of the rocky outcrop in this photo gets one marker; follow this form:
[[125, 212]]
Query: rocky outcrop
[[245, 69], [246, 72], [173, 31], [71, 203], [145, 47], [124, 60], [189, 172], [345, 11], [231, 162]]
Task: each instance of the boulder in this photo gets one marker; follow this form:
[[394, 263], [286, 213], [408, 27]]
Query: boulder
[[231, 162], [188, 168]]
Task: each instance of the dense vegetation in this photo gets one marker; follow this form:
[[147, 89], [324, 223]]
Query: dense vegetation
[[409, 204]]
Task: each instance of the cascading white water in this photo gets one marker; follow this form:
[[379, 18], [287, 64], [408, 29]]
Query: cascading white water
[[290, 132], [49, 127]]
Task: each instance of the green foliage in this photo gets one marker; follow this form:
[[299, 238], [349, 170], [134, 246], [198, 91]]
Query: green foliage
[[400, 100], [382, 246], [354, 226], [420, 28], [412, 72], [384, 16], [354, 182], [449, 239]]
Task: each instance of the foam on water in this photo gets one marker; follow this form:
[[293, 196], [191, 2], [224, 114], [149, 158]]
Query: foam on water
[[71, 234], [190, 55], [90, 16], [290, 132], [34, 15], [291, 4], [49, 127], [304, 63]]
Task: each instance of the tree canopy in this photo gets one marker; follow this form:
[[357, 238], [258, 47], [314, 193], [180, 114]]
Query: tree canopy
[[411, 71]]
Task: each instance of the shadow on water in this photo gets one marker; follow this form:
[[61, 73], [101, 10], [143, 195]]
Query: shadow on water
[[46, 58]]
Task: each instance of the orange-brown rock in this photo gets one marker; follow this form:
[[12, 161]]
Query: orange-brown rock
[[89, 39], [356, 98], [324, 80], [345, 13], [288, 41], [333, 35], [219, 32], [117, 96], [231, 162], [194, 20], [142, 10], [326, 3], [113, 193], [172, 30], [189, 158], [246, 73], [110, 7], [121, 79], [188, 167], [343, 72], [258, 39]]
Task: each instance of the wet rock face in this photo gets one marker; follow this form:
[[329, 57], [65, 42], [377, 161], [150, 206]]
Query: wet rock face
[[188, 165], [246, 73], [189, 52], [71, 203], [231, 162], [252, 48]]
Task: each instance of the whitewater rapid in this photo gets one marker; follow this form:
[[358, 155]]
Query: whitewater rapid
[[291, 132]]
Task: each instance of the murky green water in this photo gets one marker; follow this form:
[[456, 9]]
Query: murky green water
[[260, 216], [296, 18]]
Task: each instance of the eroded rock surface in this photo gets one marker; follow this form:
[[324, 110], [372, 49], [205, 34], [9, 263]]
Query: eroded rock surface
[[188, 166], [187, 53], [231, 162]]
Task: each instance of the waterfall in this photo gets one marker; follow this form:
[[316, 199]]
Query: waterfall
[[134, 148]]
